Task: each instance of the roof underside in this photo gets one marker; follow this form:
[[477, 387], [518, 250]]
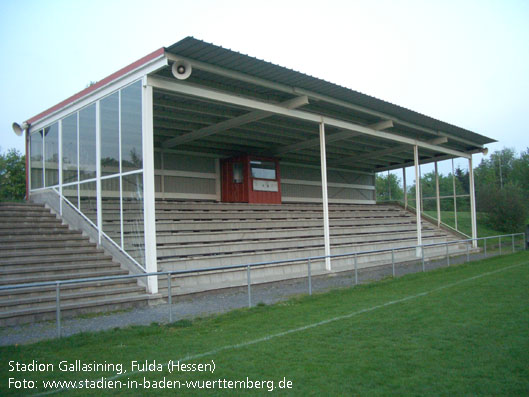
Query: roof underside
[[176, 115]]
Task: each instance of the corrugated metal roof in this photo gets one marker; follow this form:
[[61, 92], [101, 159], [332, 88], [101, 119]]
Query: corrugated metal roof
[[228, 59]]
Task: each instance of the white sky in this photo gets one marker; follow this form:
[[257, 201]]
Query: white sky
[[463, 62]]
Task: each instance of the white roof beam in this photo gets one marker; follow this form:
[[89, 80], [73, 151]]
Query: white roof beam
[[312, 95], [234, 122], [201, 92], [338, 136]]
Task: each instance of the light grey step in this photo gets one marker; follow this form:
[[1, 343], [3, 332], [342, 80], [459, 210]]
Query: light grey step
[[192, 283], [76, 308], [236, 235], [67, 235], [194, 251], [55, 252], [63, 276], [270, 224], [278, 255], [10, 271], [24, 302], [67, 288], [20, 247], [65, 259]]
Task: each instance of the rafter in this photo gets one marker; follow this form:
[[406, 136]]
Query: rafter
[[234, 122]]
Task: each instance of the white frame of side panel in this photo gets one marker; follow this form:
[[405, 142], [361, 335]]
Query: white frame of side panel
[[472, 204], [193, 90], [324, 193], [418, 198], [60, 166], [149, 194], [98, 94], [98, 173]]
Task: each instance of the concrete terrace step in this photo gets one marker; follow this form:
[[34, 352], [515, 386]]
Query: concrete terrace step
[[281, 244], [6, 271], [270, 224], [68, 295], [50, 290], [56, 252], [56, 259], [65, 275], [11, 317], [22, 244], [237, 235], [282, 254]]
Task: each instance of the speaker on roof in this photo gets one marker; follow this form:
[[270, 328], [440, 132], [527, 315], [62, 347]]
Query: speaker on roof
[[181, 69]]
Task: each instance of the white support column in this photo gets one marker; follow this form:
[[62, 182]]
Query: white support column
[[60, 168], [389, 188], [326, 231], [405, 188], [98, 175], [420, 190], [418, 198], [149, 210], [472, 204], [437, 199], [218, 180], [454, 189]]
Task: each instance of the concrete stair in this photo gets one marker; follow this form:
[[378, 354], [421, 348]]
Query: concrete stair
[[36, 247], [193, 235]]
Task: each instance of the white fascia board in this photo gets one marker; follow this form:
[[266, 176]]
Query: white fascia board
[[120, 82], [201, 92], [312, 95]]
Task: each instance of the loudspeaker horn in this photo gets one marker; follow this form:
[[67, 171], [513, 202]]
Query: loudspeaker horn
[[181, 69], [19, 129]]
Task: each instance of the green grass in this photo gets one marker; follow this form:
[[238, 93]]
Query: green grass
[[469, 335]]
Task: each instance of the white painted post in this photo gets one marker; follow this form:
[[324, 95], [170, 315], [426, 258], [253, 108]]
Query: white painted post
[[149, 210], [326, 231], [60, 167], [438, 200], [417, 198], [99, 205], [405, 188], [454, 189], [472, 204], [218, 180]]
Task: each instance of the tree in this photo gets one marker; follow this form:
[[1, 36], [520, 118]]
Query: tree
[[12, 176], [388, 191]]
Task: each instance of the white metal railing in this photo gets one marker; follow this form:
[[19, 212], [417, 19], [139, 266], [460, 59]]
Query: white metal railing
[[249, 266]]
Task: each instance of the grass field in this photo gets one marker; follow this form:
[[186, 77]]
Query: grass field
[[455, 331]]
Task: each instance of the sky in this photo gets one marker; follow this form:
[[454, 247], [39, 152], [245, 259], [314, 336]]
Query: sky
[[462, 62]]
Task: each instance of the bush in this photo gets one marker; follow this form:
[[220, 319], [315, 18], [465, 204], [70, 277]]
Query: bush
[[12, 176], [506, 209]]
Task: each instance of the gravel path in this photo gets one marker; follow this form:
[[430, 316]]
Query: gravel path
[[204, 304]]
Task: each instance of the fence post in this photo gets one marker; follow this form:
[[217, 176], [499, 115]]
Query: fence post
[[393, 261], [310, 280], [447, 255], [249, 288], [512, 236], [58, 308], [170, 297], [468, 252], [499, 243], [356, 269], [485, 240]]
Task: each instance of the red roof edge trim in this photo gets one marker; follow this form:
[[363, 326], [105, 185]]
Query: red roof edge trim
[[99, 84]]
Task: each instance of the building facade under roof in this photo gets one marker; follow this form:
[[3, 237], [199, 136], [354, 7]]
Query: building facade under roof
[[197, 122]]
